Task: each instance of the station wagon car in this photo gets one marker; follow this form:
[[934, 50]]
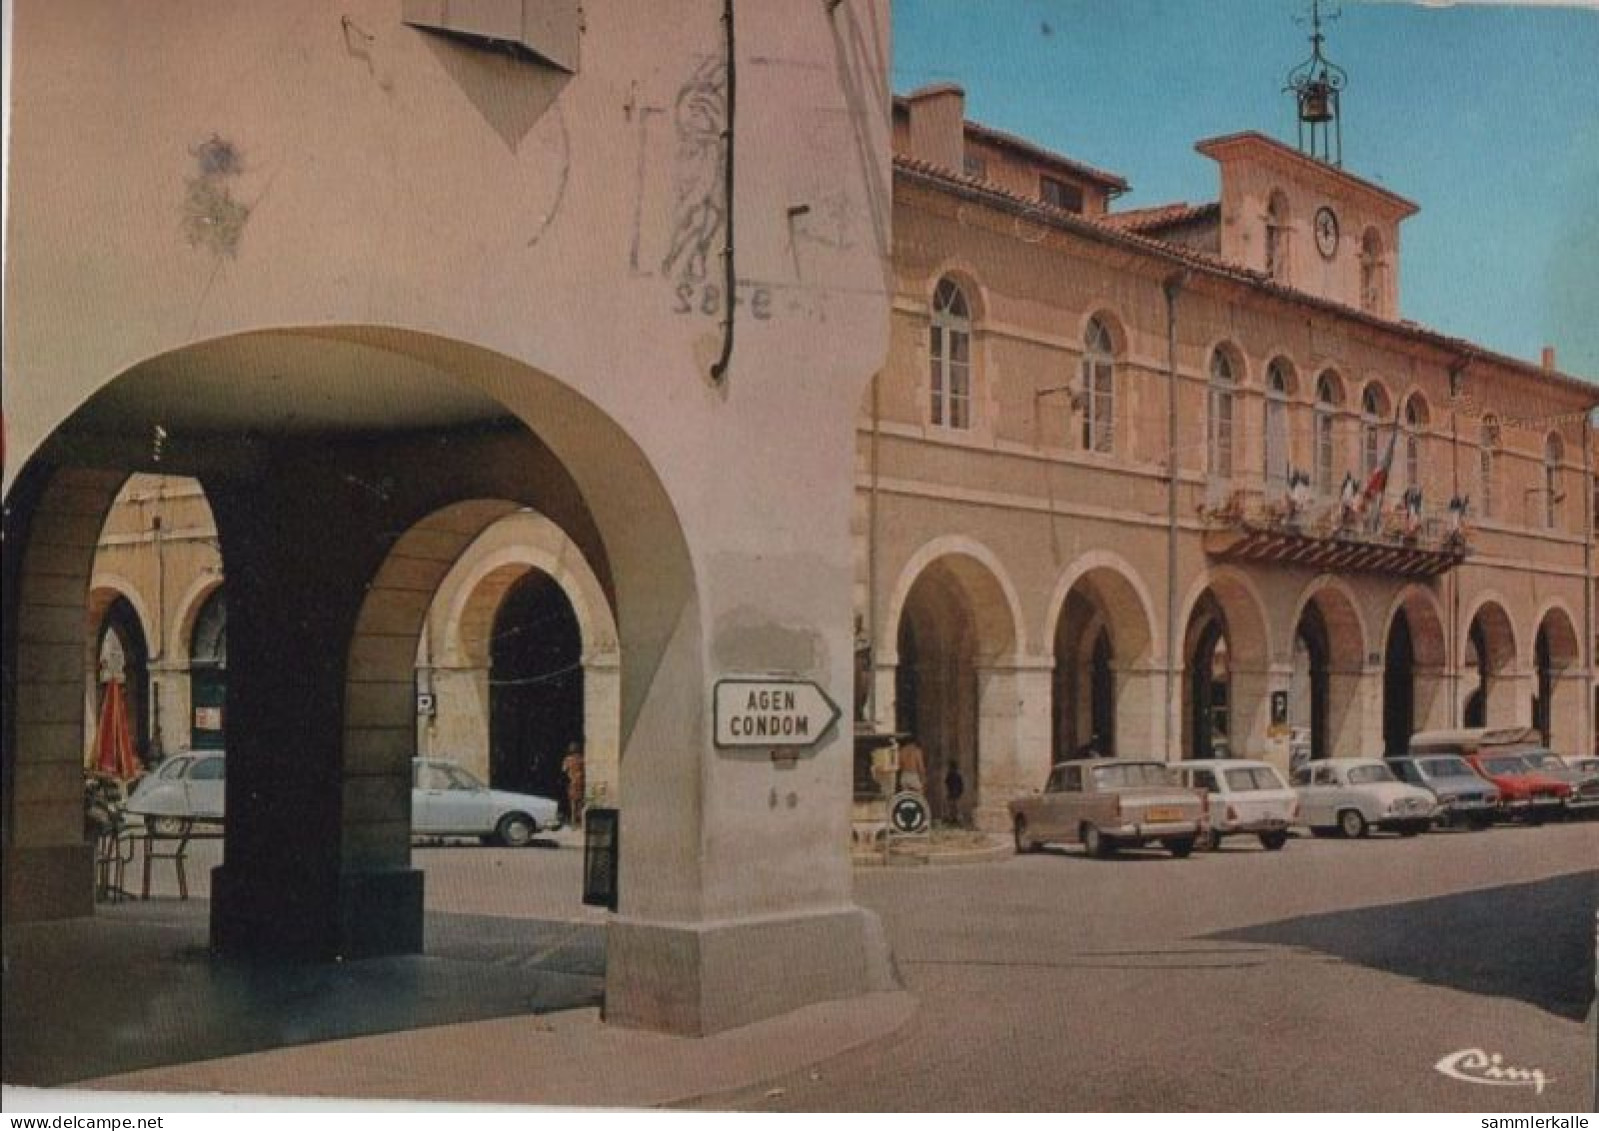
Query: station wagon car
[[1351, 796], [1106, 804], [1241, 797], [1464, 796], [446, 800]]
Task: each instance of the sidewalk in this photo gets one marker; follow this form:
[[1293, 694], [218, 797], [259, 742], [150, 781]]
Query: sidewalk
[[566, 1059]]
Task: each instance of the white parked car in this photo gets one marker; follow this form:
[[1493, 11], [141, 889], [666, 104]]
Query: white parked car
[[1354, 795], [1242, 797], [446, 800]]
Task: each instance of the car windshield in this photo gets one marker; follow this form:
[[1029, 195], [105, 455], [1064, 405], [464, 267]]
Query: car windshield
[[1133, 773], [1507, 764], [1543, 760], [1366, 775], [1253, 778], [1451, 767]]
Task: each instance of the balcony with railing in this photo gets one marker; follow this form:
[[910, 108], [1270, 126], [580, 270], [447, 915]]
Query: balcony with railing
[[1334, 535]]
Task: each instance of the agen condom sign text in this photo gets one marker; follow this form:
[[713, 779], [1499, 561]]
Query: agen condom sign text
[[758, 712]]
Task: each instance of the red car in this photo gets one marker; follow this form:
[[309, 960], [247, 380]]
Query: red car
[[1524, 790]]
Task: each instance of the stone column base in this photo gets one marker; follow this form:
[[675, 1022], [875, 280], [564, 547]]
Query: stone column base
[[367, 914], [698, 979], [48, 882]]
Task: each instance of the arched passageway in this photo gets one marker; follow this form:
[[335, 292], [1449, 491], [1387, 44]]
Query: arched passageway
[[1488, 669], [1225, 671], [1558, 684], [955, 626], [1104, 701], [535, 687], [121, 654], [1328, 655], [1413, 674]]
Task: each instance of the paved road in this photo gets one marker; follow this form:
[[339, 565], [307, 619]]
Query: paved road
[[1332, 976]]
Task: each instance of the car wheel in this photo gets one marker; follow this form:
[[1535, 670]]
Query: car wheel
[[1180, 846], [515, 830], [1096, 843], [1352, 824], [1271, 842], [166, 826], [1024, 843]]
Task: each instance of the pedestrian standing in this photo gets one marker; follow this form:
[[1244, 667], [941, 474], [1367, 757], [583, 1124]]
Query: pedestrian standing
[[572, 768], [912, 766]]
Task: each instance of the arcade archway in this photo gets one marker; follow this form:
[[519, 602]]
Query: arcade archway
[[1413, 671], [1225, 671], [955, 625], [1488, 666], [1103, 700], [1328, 654], [1558, 686]]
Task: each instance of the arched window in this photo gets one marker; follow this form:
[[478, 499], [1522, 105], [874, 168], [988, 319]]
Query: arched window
[[1219, 446], [1373, 414], [1373, 281], [1099, 389], [1279, 454], [1554, 452], [1328, 398], [950, 356], [1416, 420], [1489, 444], [1277, 236]]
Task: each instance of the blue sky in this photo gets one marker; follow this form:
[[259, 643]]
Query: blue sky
[[1486, 116]]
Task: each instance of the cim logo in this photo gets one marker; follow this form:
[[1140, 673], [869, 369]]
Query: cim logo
[[1475, 1066]]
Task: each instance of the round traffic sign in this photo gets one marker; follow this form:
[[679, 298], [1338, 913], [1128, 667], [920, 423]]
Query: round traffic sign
[[907, 812]]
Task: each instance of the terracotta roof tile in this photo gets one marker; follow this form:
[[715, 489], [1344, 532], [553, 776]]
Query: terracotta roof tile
[[1161, 216]]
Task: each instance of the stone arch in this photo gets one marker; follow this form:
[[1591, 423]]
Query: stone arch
[[1226, 625], [1414, 672], [965, 275], [1491, 664], [1558, 679], [1105, 691], [456, 646], [954, 670], [386, 425], [1328, 661], [117, 608], [979, 568]]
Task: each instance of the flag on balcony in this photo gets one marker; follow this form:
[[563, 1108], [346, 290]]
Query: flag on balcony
[[1377, 483]]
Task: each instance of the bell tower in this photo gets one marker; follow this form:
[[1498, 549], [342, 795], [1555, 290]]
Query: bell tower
[[1316, 85]]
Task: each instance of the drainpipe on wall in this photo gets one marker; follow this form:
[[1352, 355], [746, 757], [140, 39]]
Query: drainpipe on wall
[[871, 562], [729, 271], [1457, 373], [1171, 287]]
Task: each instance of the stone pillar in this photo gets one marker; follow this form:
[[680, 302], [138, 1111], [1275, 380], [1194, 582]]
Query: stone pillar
[[1363, 737], [1510, 693], [1141, 713], [459, 728], [290, 886], [1250, 706], [602, 712], [1275, 739], [1013, 736]]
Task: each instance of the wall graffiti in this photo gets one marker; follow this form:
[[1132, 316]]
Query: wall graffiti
[[698, 209]]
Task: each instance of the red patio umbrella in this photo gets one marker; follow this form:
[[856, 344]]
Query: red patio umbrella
[[113, 742]]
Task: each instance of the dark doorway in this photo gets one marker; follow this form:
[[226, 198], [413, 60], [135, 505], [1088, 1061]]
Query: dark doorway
[[1311, 678], [535, 687], [1102, 700], [208, 674], [1476, 714], [1541, 714], [1209, 685], [124, 656], [1398, 688]]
